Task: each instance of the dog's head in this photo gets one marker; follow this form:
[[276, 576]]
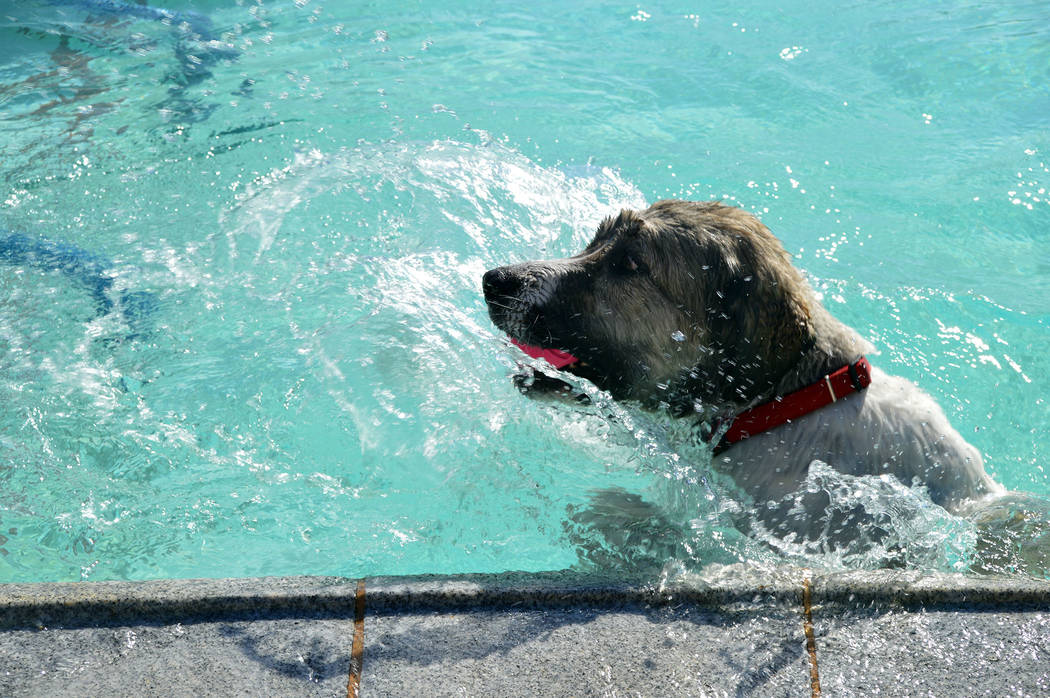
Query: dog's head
[[681, 303]]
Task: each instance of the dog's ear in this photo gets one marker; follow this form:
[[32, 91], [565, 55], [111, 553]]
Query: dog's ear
[[627, 221], [758, 318]]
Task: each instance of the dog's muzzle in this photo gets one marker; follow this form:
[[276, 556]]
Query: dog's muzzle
[[515, 294], [503, 293]]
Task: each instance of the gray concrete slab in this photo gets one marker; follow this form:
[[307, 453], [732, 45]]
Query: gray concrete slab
[[933, 652], [261, 657], [731, 631], [668, 651]]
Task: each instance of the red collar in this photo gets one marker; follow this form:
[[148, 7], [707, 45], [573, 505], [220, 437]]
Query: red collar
[[849, 379]]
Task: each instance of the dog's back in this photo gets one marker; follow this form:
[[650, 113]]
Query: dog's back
[[891, 428]]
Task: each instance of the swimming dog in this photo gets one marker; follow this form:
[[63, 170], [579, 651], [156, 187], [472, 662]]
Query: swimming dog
[[695, 307]]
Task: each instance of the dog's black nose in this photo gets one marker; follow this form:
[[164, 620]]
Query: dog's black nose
[[500, 282]]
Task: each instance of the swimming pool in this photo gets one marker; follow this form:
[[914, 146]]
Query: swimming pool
[[309, 192]]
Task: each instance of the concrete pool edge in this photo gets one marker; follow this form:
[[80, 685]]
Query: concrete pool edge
[[789, 632], [82, 604]]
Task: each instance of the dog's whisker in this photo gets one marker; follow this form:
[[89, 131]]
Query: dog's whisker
[[501, 305]]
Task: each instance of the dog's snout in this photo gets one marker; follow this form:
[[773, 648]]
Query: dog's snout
[[500, 282]]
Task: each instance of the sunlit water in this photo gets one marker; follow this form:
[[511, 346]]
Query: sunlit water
[[307, 194]]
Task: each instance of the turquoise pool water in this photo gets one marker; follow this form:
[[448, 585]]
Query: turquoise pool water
[[308, 193]]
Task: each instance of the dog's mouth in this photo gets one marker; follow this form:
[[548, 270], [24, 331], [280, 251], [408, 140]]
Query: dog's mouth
[[555, 357]]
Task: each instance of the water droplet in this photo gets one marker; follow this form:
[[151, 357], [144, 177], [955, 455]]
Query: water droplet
[[678, 336]]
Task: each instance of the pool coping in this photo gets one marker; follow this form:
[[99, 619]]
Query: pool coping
[[780, 632], [86, 604]]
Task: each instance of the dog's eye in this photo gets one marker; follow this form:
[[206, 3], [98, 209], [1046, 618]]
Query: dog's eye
[[629, 264]]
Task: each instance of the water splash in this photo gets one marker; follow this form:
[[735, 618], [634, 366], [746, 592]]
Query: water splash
[[861, 522], [1013, 535]]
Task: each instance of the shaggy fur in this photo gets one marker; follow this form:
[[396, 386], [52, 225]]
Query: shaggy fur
[[696, 307]]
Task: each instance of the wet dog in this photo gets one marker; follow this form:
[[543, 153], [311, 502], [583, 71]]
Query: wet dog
[[695, 307]]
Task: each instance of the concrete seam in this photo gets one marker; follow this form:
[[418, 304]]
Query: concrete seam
[[357, 650], [811, 642]]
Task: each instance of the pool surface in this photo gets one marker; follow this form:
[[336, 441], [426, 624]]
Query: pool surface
[[241, 325]]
